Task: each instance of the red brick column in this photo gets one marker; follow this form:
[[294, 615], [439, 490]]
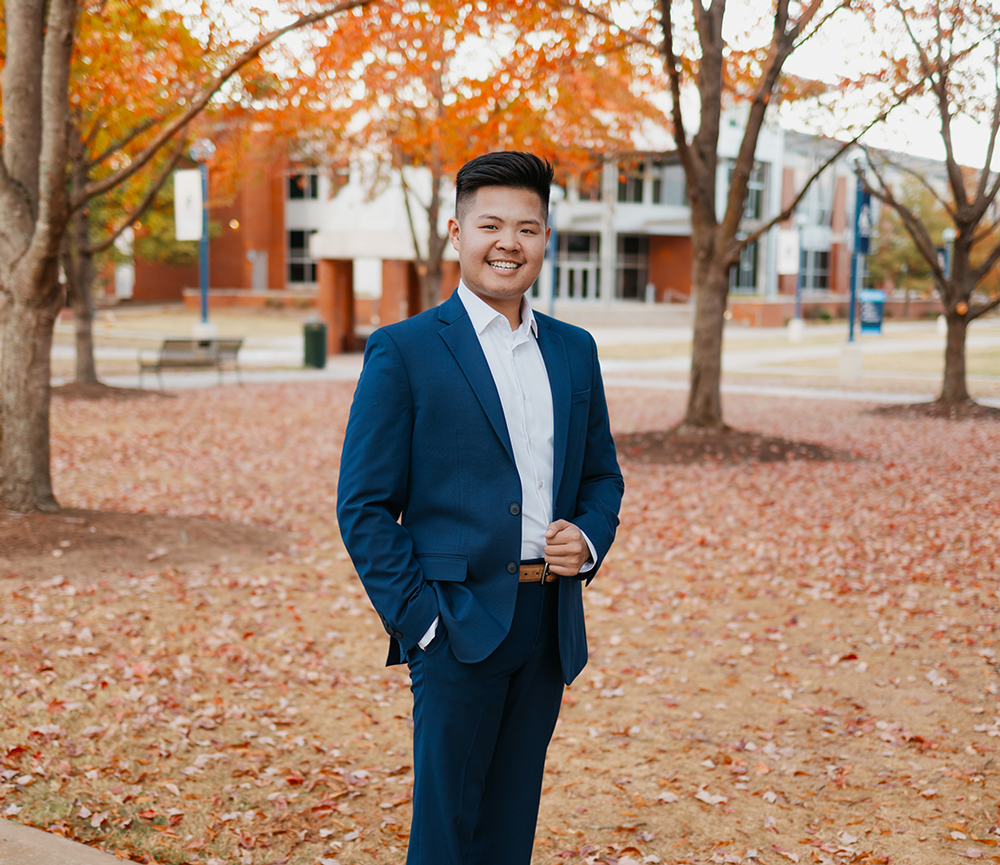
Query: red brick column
[[335, 303], [396, 303]]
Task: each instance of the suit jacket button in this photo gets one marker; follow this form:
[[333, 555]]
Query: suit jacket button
[[511, 567], [515, 509]]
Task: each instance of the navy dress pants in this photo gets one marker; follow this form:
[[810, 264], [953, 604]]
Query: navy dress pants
[[480, 732]]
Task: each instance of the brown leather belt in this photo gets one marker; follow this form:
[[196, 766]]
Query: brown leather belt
[[537, 574]]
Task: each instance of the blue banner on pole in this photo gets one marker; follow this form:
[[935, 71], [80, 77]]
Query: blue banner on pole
[[872, 310], [863, 223]]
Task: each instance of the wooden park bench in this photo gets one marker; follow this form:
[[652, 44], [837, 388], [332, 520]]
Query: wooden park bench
[[192, 354]]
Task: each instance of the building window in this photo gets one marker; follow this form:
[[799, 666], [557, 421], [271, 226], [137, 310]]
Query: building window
[[578, 267], [754, 208], [301, 268], [669, 184], [631, 177], [814, 268], [303, 185], [818, 200], [743, 276], [632, 266]]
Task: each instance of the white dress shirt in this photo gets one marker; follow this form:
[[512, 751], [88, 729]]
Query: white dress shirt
[[522, 382]]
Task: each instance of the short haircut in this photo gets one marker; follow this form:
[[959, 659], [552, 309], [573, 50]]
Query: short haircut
[[510, 168]]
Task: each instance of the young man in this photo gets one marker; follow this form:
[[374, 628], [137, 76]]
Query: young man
[[478, 489]]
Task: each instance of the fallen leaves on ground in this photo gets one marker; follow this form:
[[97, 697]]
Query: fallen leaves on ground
[[792, 661]]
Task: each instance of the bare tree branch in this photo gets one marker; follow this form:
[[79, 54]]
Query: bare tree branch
[[140, 208], [674, 74], [986, 265], [994, 126], [171, 129], [124, 141], [913, 226], [421, 259], [978, 311], [984, 233], [757, 233], [922, 179]]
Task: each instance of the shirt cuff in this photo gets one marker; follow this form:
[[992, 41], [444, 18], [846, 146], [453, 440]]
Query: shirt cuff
[[425, 640], [588, 565]]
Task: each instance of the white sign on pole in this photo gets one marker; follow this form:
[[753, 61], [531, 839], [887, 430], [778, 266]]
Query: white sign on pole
[[187, 204], [788, 252]]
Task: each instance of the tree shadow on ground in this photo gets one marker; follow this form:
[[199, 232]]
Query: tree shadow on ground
[[968, 410], [97, 390], [722, 447], [85, 543]]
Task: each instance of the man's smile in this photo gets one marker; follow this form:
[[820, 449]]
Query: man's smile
[[504, 265]]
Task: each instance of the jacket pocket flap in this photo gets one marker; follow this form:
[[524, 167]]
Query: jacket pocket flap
[[453, 568], [581, 396]]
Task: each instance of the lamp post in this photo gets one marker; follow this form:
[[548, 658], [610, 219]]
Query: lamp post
[[948, 236], [202, 151], [850, 354], [796, 327]]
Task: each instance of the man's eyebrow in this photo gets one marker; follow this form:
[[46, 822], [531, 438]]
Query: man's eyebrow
[[501, 219]]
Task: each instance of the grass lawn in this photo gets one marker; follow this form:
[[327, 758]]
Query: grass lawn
[[980, 361]]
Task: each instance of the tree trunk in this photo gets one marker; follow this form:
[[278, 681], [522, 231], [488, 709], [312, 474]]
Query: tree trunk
[[83, 322], [25, 474], [80, 277], [430, 286], [711, 286], [953, 388], [79, 267]]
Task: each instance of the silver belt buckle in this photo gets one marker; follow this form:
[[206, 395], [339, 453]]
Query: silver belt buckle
[[545, 574]]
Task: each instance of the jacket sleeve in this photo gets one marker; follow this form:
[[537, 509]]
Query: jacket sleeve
[[601, 487], [372, 492]]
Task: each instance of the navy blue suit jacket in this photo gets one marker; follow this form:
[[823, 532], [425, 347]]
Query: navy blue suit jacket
[[429, 496]]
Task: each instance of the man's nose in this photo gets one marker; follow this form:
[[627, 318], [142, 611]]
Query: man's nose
[[508, 240]]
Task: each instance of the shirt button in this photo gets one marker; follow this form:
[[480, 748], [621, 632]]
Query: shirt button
[[515, 509], [511, 567], [541, 484]]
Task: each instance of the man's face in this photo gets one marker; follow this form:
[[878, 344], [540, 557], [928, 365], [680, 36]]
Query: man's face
[[500, 242]]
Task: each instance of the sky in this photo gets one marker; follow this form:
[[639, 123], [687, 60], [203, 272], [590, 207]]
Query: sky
[[840, 49], [843, 47]]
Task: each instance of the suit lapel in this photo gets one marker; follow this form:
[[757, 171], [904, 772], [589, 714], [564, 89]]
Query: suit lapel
[[557, 365], [460, 337]]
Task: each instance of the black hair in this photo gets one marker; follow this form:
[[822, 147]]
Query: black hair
[[510, 168]]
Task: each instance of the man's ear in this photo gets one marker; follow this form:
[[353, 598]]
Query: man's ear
[[454, 230]]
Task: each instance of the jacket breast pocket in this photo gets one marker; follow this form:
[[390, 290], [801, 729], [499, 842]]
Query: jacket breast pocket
[[444, 568], [580, 396]]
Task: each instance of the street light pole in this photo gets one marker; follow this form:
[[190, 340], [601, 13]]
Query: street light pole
[[202, 151], [796, 327]]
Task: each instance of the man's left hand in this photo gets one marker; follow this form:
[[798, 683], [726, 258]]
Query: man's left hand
[[565, 549]]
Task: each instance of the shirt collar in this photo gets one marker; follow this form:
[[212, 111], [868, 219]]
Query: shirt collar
[[482, 315]]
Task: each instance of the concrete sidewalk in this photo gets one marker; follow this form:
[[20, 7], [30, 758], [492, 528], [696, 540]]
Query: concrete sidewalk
[[790, 392], [23, 845], [348, 368]]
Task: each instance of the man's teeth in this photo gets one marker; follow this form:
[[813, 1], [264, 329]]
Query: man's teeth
[[504, 265]]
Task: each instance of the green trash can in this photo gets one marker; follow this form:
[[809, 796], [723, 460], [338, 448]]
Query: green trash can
[[314, 334]]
